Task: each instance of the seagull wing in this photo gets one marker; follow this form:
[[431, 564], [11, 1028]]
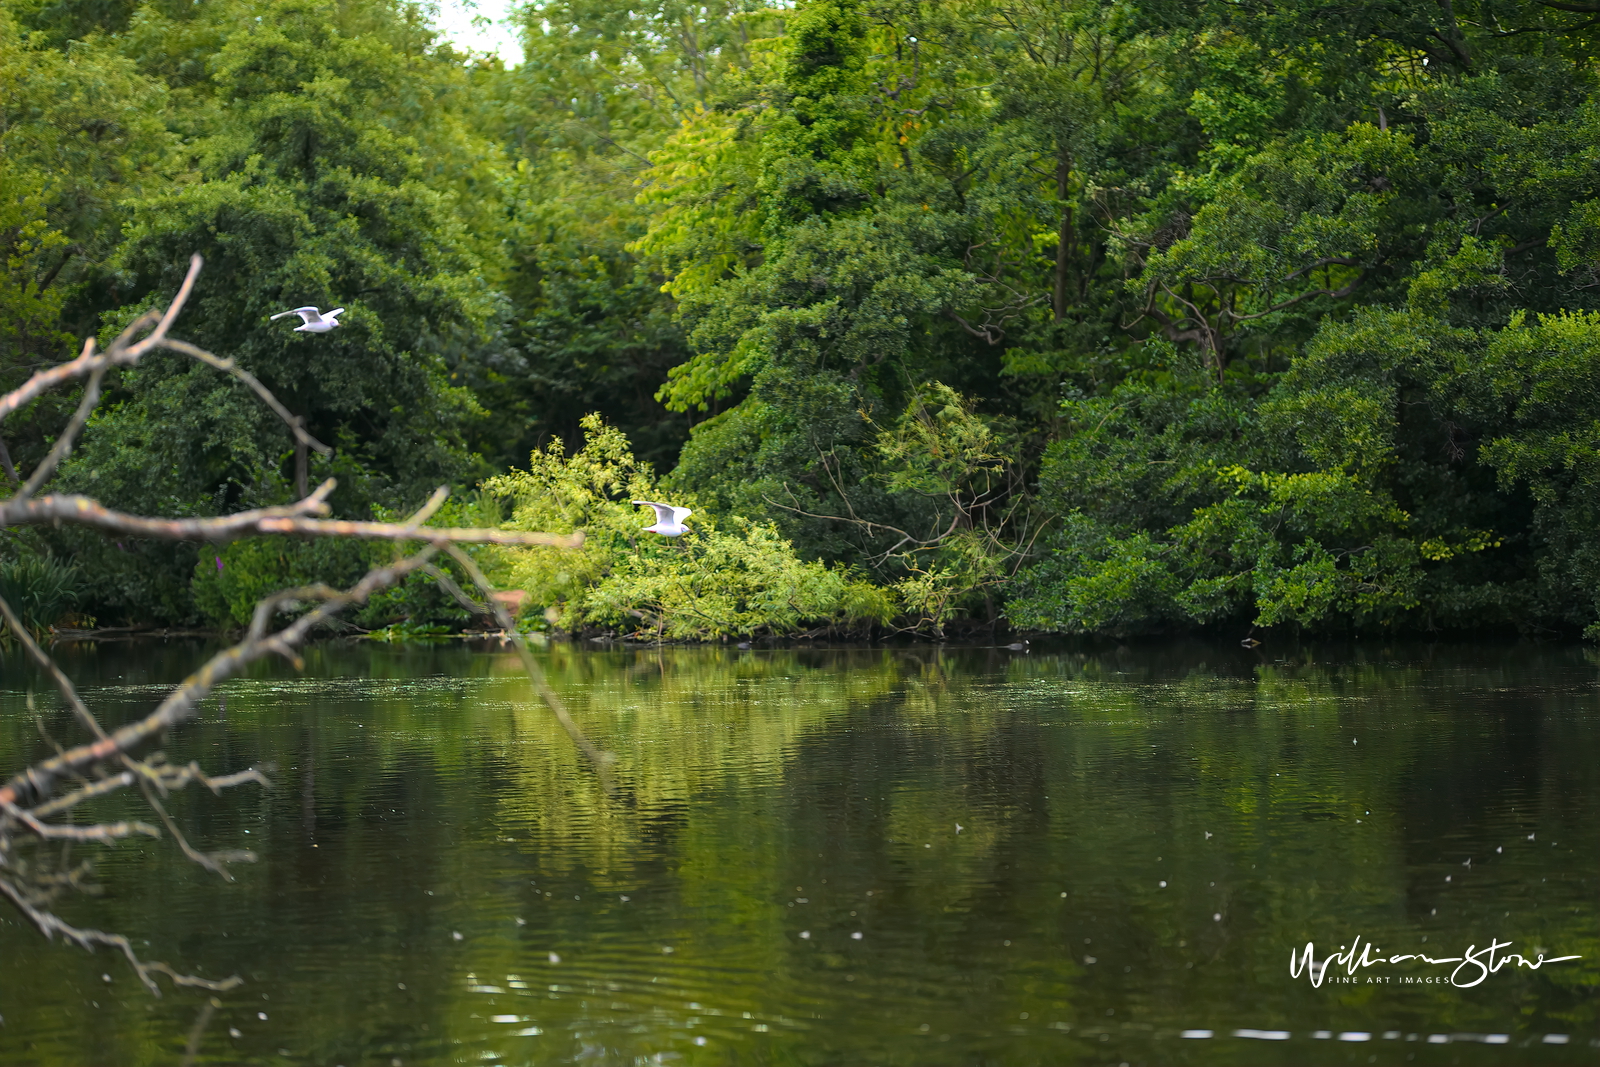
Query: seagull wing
[[663, 511], [334, 313], [307, 315], [679, 514]]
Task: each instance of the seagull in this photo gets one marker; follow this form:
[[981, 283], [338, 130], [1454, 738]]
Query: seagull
[[669, 519], [312, 320]]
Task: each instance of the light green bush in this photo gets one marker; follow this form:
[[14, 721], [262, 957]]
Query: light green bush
[[738, 579]]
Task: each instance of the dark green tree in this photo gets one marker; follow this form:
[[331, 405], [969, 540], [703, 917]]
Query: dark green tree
[[325, 166]]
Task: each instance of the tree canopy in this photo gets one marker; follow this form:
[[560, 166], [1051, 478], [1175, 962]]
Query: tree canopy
[[1088, 316]]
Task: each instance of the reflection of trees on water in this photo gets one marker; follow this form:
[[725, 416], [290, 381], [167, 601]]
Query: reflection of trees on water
[[1361, 783], [445, 803], [1336, 777]]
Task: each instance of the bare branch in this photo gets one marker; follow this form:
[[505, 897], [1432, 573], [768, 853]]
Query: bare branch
[[68, 691], [104, 833], [171, 315], [50, 925], [181, 776], [191, 1047], [448, 584], [212, 861], [37, 785], [45, 380], [228, 366], [121, 352], [68, 801], [267, 607], [866, 524], [285, 519], [601, 759], [63, 446], [183, 703], [83, 511]]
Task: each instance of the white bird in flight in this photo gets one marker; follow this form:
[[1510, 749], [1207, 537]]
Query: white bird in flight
[[669, 519], [312, 320]]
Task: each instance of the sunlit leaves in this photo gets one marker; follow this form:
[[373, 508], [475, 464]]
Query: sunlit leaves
[[725, 577]]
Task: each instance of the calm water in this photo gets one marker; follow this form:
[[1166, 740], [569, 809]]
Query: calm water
[[906, 856]]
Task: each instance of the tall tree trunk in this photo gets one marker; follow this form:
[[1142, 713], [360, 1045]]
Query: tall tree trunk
[[302, 472], [1066, 243]]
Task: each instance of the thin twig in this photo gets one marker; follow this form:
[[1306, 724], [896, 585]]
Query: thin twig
[[601, 759], [285, 519], [228, 366], [191, 1047], [63, 446], [68, 801], [211, 861], [183, 703], [50, 925], [57, 675], [121, 352], [103, 833]]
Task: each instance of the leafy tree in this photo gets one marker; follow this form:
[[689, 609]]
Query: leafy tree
[[80, 132], [1210, 314], [325, 168], [601, 88], [1318, 440], [1542, 377], [820, 236]]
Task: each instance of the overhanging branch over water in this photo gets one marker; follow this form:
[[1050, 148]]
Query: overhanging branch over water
[[37, 801]]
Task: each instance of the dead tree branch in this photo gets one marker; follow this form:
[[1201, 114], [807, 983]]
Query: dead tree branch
[[602, 760], [36, 800], [284, 519]]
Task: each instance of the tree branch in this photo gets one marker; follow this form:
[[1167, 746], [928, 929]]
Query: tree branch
[[123, 351], [284, 519], [63, 446], [601, 759], [31, 797]]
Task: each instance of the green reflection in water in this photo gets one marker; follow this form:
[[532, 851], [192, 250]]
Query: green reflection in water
[[443, 880]]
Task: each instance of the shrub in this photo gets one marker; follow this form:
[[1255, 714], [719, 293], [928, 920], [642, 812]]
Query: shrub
[[738, 579]]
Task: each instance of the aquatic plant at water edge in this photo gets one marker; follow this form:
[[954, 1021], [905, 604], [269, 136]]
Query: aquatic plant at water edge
[[41, 588]]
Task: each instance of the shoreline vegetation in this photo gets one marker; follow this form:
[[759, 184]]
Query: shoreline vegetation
[[983, 316]]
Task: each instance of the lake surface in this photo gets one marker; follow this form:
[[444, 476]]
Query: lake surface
[[906, 856]]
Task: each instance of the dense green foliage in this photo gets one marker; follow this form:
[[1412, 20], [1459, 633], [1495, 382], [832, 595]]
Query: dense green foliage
[[1089, 316], [709, 583]]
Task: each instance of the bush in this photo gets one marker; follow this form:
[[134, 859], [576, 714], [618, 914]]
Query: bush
[[735, 581]]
